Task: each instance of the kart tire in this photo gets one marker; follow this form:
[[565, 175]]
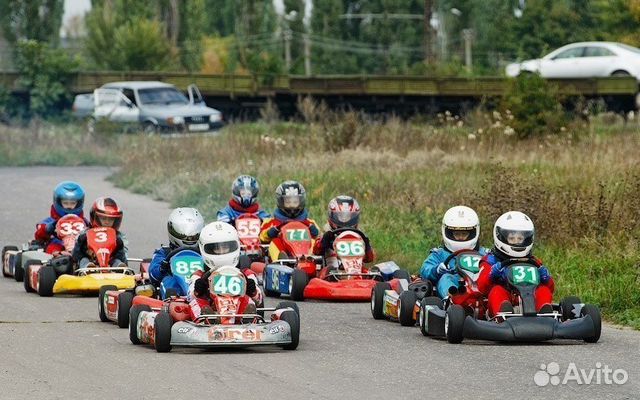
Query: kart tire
[[285, 304], [162, 329], [407, 301], [18, 272], [133, 321], [271, 293], [124, 305], [4, 250], [566, 307], [377, 299], [299, 280], [402, 274], [102, 298], [46, 279], [594, 312], [422, 317], [27, 274], [453, 323], [293, 319]]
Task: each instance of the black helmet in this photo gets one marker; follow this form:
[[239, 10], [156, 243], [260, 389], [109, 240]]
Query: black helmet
[[245, 190], [343, 212], [291, 198]]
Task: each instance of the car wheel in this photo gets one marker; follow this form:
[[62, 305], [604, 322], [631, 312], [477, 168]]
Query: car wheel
[[402, 274], [594, 313], [566, 307], [377, 299], [299, 280], [620, 73], [124, 305], [46, 280], [4, 250], [149, 128], [18, 272], [293, 319], [102, 301], [162, 329], [27, 275], [427, 301], [453, 323], [133, 321], [406, 304], [291, 304]]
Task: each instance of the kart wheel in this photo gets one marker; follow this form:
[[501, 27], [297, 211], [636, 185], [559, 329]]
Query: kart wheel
[[133, 321], [566, 307], [427, 301], [271, 293], [402, 274], [102, 301], [594, 312], [4, 250], [124, 305], [453, 323], [285, 304], [27, 276], [18, 272], [299, 280], [293, 319], [407, 301], [46, 280], [162, 329], [377, 299]]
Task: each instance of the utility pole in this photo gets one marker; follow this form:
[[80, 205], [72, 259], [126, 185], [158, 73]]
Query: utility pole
[[287, 49], [307, 54], [467, 35], [428, 33]]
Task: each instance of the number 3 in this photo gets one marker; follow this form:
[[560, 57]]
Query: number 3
[[101, 237]]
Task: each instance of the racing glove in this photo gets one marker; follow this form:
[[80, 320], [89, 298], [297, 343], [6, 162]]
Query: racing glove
[[50, 228], [498, 273], [313, 230], [544, 274], [165, 268], [442, 269], [273, 232], [200, 287], [251, 287]]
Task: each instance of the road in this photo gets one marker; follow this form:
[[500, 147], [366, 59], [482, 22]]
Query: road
[[55, 348]]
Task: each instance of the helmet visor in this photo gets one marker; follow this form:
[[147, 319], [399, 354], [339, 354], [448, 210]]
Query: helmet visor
[[188, 240], [68, 204], [107, 222], [460, 234], [291, 202], [221, 247], [515, 238]]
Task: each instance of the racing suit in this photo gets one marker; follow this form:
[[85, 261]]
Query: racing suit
[[271, 236], [494, 288], [442, 282], [233, 210], [45, 231], [161, 276]]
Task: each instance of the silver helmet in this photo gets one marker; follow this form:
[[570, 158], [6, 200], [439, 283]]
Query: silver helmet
[[184, 226]]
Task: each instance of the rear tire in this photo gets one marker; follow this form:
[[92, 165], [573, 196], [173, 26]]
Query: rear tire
[[377, 299], [4, 250], [594, 312], [407, 302], [162, 329], [134, 313], [27, 276], [124, 305], [46, 280], [285, 304], [427, 301], [566, 307], [18, 272], [102, 301], [453, 323], [293, 319], [402, 274], [299, 280]]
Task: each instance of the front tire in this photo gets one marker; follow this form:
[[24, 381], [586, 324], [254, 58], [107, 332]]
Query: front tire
[[293, 319], [124, 305], [4, 250], [18, 272], [102, 301], [134, 313], [407, 301], [402, 274], [566, 307], [150, 129], [454, 323], [162, 329], [377, 299], [291, 304], [427, 301], [46, 280], [299, 280], [594, 313], [27, 276]]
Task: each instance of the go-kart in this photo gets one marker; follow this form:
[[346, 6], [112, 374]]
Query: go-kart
[[169, 323], [101, 242], [296, 265], [399, 298], [571, 319], [347, 279], [14, 259], [248, 227], [114, 304], [67, 230]]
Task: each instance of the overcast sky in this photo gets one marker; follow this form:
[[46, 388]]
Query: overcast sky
[[74, 7]]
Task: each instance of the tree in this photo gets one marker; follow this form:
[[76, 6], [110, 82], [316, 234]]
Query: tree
[[31, 20]]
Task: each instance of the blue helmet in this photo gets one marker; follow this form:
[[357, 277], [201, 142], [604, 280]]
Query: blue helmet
[[245, 190], [68, 190]]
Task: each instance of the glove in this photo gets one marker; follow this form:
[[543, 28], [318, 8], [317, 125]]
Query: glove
[[498, 273], [443, 269], [251, 287], [544, 274], [200, 287], [313, 230], [165, 268], [50, 228], [273, 232]]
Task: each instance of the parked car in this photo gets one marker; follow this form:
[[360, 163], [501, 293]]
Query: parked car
[[154, 106], [583, 60], [82, 105]]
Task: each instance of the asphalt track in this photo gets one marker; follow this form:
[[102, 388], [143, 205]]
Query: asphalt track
[[56, 348]]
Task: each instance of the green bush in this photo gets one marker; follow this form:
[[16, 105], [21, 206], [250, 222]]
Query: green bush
[[535, 106]]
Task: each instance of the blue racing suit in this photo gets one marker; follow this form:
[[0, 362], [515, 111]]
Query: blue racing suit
[[233, 210], [429, 270], [164, 279]]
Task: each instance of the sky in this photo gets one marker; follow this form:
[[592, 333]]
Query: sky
[[73, 7]]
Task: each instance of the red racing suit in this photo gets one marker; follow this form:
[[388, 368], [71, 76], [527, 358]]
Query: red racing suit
[[46, 235], [497, 292]]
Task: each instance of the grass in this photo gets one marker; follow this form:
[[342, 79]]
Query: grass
[[581, 185]]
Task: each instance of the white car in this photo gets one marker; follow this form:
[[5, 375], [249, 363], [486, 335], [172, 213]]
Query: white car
[[583, 60]]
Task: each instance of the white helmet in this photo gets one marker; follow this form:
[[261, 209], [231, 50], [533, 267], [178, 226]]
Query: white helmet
[[184, 226], [460, 228], [219, 245], [513, 234]]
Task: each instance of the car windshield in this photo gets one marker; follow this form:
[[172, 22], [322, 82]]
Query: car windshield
[[163, 95], [629, 48]]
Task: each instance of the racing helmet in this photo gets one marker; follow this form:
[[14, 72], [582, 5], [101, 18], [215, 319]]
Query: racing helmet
[[184, 226], [344, 212], [68, 198], [245, 190], [291, 198], [460, 228], [105, 212], [513, 234], [219, 245]]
